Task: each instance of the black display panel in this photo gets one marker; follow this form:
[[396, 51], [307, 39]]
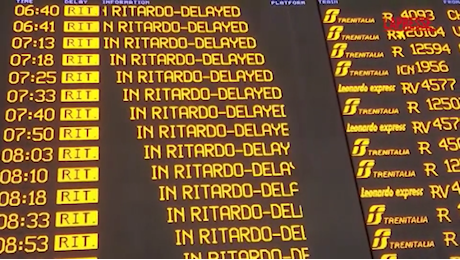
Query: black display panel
[[395, 65], [172, 129]]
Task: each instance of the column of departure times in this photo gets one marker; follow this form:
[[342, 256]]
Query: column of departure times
[[78, 174], [27, 153]]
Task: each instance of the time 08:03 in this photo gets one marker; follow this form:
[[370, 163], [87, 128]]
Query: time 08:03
[[35, 155]]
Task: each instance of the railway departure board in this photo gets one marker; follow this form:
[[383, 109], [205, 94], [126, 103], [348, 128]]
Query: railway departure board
[[232, 129]]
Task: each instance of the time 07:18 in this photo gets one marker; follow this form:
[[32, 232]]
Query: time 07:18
[[24, 59]]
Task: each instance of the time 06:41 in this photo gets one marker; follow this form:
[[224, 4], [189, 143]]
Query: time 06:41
[[24, 59]]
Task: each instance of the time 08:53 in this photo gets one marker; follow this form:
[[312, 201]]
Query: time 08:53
[[29, 244]]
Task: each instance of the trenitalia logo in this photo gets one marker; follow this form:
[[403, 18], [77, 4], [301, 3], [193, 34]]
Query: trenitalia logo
[[375, 214], [287, 2], [365, 169], [331, 15], [381, 237], [360, 146], [334, 32], [351, 106], [342, 68], [407, 24], [338, 50]]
